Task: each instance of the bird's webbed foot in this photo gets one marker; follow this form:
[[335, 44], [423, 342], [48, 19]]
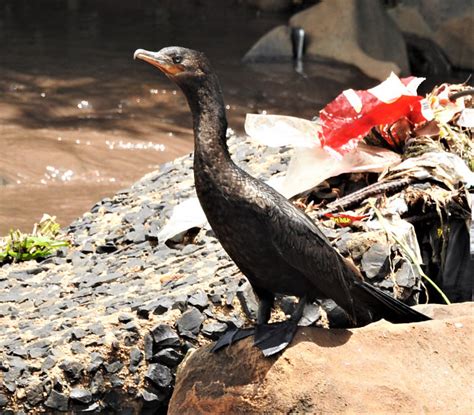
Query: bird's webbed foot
[[273, 338], [232, 336]]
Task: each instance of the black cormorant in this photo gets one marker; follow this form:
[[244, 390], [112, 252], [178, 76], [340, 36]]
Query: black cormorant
[[276, 246]]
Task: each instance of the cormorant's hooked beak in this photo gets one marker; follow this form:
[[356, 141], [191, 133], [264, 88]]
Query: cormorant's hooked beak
[[161, 62]]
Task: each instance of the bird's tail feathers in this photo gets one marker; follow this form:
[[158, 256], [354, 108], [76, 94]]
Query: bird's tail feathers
[[384, 306]]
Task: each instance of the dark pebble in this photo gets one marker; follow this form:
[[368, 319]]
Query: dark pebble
[[169, 357], [80, 394], [78, 348], [374, 259], [48, 363], [136, 356], [78, 333], [3, 400], [107, 248], [96, 362], [164, 335], [34, 393], [199, 299], [163, 305], [148, 346], [248, 301], [214, 329], [114, 367], [190, 322], [98, 383], [57, 400], [159, 375], [73, 370], [311, 314]]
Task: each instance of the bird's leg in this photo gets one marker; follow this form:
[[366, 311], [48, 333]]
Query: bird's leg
[[265, 307], [272, 338], [263, 315]]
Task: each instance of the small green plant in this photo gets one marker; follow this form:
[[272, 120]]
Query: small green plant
[[43, 241]]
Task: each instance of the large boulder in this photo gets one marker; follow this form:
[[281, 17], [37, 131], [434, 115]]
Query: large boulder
[[381, 368], [450, 24], [274, 46], [358, 32]]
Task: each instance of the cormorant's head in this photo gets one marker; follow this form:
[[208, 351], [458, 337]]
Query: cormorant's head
[[179, 64]]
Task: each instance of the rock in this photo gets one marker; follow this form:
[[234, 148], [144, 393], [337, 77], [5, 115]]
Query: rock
[[374, 259], [34, 393], [248, 300], [114, 367], [214, 329], [357, 32], [136, 356], [57, 401], [405, 275], [199, 300], [311, 314], [452, 24], [80, 394], [169, 357], [159, 375], [3, 400], [164, 335], [96, 362], [148, 346], [276, 45], [125, 318], [190, 322], [380, 368], [73, 370]]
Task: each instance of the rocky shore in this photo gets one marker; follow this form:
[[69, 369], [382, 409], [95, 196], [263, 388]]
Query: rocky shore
[[103, 325]]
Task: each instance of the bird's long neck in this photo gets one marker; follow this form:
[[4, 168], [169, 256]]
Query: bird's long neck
[[209, 121]]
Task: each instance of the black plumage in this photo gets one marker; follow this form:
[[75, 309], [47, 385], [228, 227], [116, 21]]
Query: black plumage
[[278, 248]]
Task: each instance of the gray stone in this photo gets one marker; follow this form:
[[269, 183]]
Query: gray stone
[[374, 259], [159, 375], [405, 275], [199, 299], [34, 393], [248, 300], [3, 400], [98, 383], [148, 346], [276, 45], [136, 356], [78, 333], [114, 367], [164, 335], [57, 401], [214, 329], [96, 362], [169, 357], [190, 322], [311, 314], [78, 348], [80, 394], [162, 305], [356, 32], [72, 369]]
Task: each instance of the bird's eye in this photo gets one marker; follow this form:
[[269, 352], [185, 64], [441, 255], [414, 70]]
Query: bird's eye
[[177, 59]]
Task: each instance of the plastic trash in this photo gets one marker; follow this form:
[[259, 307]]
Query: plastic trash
[[311, 162]]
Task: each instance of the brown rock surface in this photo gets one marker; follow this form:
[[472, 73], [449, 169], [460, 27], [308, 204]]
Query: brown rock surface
[[380, 368]]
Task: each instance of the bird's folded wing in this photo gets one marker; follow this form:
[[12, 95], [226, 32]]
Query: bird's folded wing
[[304, 247]]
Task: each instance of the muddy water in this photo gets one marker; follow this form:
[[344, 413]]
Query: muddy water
[[79, 119]]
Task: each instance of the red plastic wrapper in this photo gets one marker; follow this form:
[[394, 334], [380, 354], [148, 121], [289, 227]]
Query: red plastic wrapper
[[353, 114]]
